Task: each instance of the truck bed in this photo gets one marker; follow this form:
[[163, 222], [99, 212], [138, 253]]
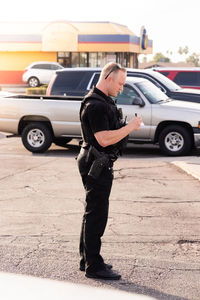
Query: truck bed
[[44, 97]]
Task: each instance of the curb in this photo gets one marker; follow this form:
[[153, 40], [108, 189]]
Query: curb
[[2, 135], [192, 169]]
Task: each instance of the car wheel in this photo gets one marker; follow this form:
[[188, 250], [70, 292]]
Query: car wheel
[[33, 82], [62, 141], [175, 140], [36, 137]]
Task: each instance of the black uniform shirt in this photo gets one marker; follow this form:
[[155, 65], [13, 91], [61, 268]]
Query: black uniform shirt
[[98, 116]]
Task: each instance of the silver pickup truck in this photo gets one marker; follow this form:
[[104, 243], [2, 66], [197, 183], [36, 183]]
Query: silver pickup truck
[[173, 124]]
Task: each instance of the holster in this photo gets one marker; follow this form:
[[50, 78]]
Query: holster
[[99, 161]]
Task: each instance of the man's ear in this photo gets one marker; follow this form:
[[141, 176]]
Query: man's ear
[[109, 78]]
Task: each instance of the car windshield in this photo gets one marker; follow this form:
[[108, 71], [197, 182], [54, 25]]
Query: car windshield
[[171, 85], [151, 92]]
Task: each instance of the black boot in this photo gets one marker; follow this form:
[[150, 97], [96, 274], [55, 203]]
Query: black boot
[[82, 265], [104, 273]]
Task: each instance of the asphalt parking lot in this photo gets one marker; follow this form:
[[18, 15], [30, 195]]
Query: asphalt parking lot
[[152, 237]]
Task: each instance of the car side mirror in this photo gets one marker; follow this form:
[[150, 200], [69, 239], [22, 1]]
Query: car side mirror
[[138, 101]]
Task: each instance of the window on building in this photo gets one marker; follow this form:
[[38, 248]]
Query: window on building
[[111, 57], [93, 59], [75, 59], [64, 59], [101, 59], [133, 60], [83, 59], [127, 59], [96, 59]]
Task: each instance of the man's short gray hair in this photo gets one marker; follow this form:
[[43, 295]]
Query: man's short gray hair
[[110, 68]]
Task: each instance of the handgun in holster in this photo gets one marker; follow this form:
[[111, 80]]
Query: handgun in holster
[[101, 160]]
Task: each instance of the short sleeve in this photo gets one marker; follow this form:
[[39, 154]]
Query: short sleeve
[[98, 117]]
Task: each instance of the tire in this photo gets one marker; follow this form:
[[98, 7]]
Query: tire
[[62, 141], [175, 140], [33, 82], [36, 137]]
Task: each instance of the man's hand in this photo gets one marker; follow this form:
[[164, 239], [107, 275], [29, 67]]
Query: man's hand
[[135, 123], [110, 137]]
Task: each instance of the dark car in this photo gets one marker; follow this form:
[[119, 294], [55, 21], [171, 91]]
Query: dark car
[[78, 81], [73, 81]]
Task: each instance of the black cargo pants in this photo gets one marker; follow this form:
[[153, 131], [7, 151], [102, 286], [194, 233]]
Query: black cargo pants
[[96, 213]]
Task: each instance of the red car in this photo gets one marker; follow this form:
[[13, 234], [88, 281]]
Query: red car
[[184, 77]]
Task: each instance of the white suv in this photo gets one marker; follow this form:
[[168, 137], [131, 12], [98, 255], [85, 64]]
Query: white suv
[[40, 72]]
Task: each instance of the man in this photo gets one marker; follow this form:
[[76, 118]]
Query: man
[[101, 131]]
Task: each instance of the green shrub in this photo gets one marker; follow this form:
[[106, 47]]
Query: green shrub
[[41, 90]]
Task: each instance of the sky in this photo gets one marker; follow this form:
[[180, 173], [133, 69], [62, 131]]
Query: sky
[[169, 23]]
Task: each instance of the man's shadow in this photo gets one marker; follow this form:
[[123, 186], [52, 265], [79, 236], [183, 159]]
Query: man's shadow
[[131, 287]]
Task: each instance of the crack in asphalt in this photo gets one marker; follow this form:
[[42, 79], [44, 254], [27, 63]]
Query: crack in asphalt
[[118, 174], [49, 214], [139, 168], [27, 255], [167, 268], [182, 242], [26, 170], [151, 216], [121, 176], [46, 235], [155, 202]]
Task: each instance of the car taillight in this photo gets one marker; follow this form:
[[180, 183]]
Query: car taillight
[[48, 91]]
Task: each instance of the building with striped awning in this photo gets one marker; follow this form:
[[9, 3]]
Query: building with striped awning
[[72, 44]]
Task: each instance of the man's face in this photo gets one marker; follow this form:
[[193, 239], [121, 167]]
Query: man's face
[[116, 84]]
